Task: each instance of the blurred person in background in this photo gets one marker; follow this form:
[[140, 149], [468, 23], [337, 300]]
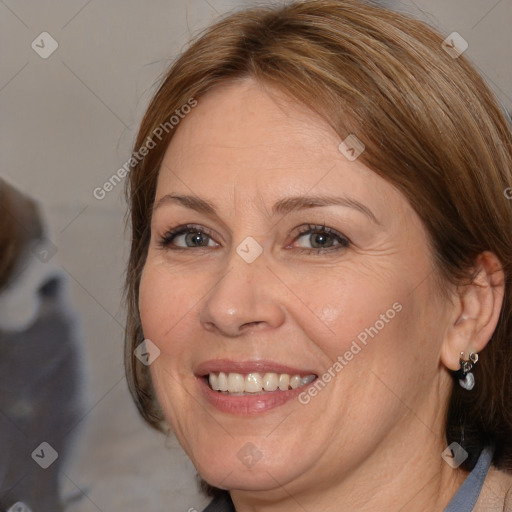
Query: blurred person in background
[[40, 361]]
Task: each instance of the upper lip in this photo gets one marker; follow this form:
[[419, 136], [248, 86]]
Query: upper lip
[[259, 366]]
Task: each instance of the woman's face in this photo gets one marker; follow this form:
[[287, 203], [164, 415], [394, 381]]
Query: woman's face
[[298, 261]]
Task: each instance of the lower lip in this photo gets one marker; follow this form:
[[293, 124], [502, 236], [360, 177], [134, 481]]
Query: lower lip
[[247, 404]]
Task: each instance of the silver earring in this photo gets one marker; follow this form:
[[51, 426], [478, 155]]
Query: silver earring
[[466, 378]]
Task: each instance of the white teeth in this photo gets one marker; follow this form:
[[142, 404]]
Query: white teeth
[[256, 382], [213, 379], [253, 383], [284, 381], [236, 383], [270, 381], [223, 382], [295, 382]]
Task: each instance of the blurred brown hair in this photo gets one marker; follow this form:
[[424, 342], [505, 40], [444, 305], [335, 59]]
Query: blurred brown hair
[[431, 127], [20, 224]]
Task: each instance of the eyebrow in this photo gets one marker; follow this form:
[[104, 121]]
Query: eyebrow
[[192, 202], [290, 204], [281, 207]]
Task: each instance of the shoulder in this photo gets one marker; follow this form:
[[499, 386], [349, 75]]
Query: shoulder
[[496, 493]]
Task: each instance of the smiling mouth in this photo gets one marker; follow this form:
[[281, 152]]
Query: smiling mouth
[[238, 384]]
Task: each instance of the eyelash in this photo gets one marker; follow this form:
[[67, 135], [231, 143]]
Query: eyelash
[[167, 239], [343, 241]]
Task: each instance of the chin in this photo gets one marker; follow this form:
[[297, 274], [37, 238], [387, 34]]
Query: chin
[[258, 478], [246, 468]]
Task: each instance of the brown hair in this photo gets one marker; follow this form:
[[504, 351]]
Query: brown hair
[[20, 224], [430, 125]]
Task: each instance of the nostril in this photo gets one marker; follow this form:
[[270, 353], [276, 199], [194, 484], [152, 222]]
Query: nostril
[[251, 324], [50, 288]]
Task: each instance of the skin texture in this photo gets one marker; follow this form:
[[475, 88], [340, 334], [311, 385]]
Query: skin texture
[[372, 439]]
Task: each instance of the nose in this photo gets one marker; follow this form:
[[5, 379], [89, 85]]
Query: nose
[[245, 297]]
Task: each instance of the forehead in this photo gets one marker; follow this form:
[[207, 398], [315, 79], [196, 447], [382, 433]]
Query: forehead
[[249, 123], [246, 138]]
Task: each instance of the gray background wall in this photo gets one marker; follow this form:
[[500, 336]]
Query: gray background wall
[[67, 124]]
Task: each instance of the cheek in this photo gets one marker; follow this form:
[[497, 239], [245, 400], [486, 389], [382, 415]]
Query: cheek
[[346, 305], [163, 307], [149, 307], [368, 334], [162, 303]]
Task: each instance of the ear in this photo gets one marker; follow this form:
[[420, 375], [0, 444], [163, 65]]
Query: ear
[[476, 311]]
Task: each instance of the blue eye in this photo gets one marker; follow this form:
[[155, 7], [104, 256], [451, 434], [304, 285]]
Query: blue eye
[[187, 237], [317, 238]]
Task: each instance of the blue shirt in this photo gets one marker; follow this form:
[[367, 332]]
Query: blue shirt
[[467, 495]]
